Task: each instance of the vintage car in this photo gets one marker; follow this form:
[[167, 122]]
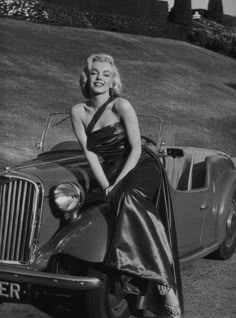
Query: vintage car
[[54, 229]]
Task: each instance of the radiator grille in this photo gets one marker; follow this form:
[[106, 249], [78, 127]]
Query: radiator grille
[[18, 203]]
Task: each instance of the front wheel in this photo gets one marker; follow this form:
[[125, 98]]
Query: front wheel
[[102, 303], [98, 303], [227, 247]]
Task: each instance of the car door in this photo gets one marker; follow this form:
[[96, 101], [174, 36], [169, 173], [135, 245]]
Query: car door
[[190, 210]]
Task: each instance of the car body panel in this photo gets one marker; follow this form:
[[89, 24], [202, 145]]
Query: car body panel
[[189, 237], [198, 211], [203, 209], [56, 168], [86, 238]]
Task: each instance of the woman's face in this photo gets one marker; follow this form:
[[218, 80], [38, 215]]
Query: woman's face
[[100, 78]]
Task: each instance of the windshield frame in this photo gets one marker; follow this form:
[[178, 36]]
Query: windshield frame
[[51, 116]]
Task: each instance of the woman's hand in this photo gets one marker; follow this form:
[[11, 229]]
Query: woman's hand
[[108, 190]]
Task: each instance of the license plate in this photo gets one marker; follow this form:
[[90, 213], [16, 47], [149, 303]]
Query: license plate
[[10, 291]]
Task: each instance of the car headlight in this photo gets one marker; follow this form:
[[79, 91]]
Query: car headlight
[[68, 196]]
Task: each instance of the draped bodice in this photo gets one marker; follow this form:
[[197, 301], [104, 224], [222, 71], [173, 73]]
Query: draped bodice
[[109, 142], [112, 145]]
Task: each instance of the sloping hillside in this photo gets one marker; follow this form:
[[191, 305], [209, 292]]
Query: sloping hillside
[[191, 88]]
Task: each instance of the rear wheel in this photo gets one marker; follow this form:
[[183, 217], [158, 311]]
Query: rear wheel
[[227, 247]]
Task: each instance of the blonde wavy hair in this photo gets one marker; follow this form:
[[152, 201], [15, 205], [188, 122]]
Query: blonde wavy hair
[[116, 89]]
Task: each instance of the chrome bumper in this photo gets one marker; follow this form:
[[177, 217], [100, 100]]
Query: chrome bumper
[[77, 283]]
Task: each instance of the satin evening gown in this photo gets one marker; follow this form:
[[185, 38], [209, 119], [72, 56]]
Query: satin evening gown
[[144, 242]]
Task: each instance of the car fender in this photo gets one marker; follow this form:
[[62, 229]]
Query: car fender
[[225, 190], [85, 238]]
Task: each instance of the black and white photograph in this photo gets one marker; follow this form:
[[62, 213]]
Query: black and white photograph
[[118, 159]]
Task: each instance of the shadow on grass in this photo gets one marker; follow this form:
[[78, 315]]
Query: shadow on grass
[[232, 85]]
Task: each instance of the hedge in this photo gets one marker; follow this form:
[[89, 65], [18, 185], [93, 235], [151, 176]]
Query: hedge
[[223, 42], [36, 11]]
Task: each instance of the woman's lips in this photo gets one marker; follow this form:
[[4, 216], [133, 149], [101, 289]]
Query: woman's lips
[[99, 84]]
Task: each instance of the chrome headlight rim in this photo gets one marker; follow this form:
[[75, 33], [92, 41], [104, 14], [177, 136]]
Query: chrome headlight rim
[[79, 191]]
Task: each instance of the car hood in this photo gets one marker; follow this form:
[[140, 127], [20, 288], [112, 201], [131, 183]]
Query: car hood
[[53, 168]]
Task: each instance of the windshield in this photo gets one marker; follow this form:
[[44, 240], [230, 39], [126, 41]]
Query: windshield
[[59, 135], [58, 131]]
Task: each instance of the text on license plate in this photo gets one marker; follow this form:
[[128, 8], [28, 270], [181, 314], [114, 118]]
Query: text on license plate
[[10, 290]]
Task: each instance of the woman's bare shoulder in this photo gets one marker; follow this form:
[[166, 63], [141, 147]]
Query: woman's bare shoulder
[[78, 110], [122, 104]]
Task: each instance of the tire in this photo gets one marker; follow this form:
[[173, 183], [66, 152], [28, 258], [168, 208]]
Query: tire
[[227, 247], [98, 303], [101, 303], [73, 303]]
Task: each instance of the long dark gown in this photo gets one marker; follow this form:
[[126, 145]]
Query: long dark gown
[[144, 240]]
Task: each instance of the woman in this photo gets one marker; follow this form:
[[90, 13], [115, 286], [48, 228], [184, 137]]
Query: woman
[[106, 125]]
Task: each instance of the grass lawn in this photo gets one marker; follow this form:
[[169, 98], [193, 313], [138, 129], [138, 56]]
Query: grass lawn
[[192, 89]]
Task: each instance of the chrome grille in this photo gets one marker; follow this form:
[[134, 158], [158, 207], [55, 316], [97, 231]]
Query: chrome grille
[[18, 204]]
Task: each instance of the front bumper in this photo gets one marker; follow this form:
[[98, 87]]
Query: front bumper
[[21, 285]]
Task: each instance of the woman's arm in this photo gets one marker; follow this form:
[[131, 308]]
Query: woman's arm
[[79, 130], [129, 119]]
